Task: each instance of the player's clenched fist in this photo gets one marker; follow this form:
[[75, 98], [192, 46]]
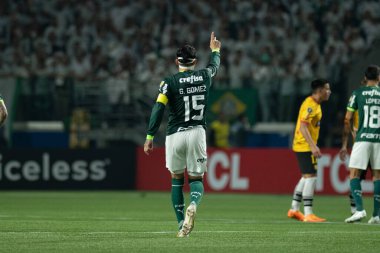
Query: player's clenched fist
[[214, 43], [148, 147]]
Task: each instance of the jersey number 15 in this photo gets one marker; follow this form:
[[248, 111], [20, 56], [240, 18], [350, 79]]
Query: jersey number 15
[[195, 106]]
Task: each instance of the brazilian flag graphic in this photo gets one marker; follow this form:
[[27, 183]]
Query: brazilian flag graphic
[[233, 102]]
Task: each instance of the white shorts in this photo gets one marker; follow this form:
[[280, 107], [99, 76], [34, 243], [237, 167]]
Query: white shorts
[[364, 152], [187, 149]]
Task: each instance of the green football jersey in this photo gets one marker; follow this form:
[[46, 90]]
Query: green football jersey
[[187, 93], [366, 100]]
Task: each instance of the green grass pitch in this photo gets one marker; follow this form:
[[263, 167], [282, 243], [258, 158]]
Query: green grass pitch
[[144, 222]]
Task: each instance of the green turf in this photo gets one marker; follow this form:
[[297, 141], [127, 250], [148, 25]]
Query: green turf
[[145, 222]]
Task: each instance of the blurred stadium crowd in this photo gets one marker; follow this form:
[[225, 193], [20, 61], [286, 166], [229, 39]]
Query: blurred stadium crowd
[[109, 56]]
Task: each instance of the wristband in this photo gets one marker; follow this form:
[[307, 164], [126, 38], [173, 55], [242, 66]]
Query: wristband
[[149, 137]]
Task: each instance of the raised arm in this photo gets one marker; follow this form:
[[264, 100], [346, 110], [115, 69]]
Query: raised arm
[[214, 43], [214, 63]]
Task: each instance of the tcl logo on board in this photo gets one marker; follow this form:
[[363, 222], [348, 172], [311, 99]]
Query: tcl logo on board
[[340, 182], [45, 170], [225, 170], [230, 175], [274, 171]]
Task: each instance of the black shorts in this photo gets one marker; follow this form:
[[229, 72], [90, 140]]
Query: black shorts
[[307, 162]]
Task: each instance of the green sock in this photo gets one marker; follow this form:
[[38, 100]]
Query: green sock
[[178, 200], [376, 198], [356, 191], [196, 191]]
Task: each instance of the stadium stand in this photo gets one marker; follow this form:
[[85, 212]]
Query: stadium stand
[[108, 57]]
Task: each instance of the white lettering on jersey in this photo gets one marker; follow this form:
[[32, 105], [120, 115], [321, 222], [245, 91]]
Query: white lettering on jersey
[[371, 92], [370, 136], [196, 89], [191, 79], [373, 101], [164, 87]]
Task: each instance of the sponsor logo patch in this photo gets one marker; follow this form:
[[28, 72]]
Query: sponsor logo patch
[[201, 160]]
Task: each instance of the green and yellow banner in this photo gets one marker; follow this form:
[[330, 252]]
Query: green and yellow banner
[[232, 103]]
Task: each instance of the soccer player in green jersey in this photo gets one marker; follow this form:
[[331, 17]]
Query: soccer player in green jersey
[[343, 153], [186, 94], [365, 100]]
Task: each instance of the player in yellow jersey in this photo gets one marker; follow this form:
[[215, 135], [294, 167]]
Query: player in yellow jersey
[[307, 152], [220, 132]]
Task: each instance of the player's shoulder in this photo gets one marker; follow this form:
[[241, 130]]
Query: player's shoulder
[[168, 81], [165, 84], [201, 73], [310, 105], [310, 102], [359, 89], [206, 72], [169, 78]]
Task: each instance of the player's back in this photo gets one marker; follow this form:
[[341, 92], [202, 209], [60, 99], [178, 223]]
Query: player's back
[[187, 94], [366, 100]]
